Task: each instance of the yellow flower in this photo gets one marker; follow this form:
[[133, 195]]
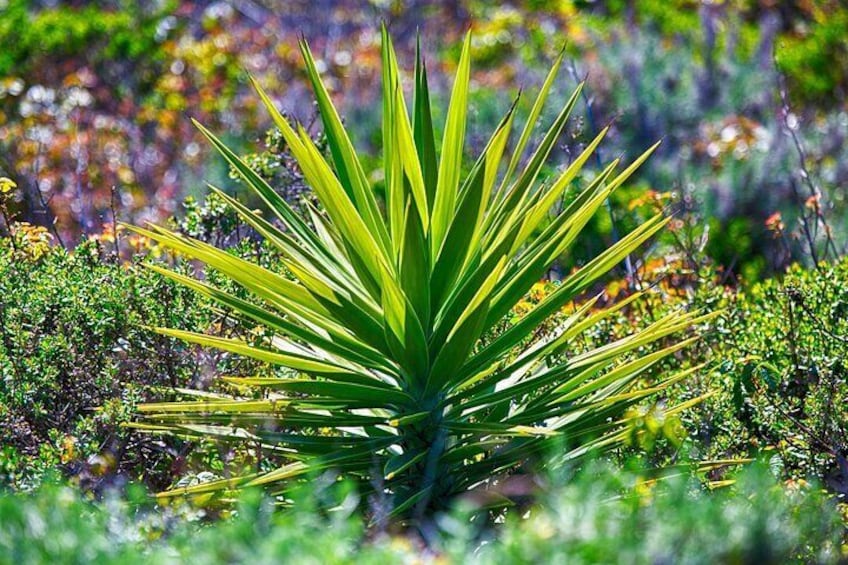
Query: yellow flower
[[522, 308], [34, 241], [644, 489], [614, 288], [538, 291], [7, 185], [69, 444]]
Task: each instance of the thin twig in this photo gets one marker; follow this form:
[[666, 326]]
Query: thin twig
[[797, 297], [806, 177], [51, 222], [114, 209]]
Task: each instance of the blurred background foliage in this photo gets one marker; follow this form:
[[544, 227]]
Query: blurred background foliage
[[95, 99]]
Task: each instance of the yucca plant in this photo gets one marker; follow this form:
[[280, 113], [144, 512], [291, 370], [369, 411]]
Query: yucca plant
[[381, 309]]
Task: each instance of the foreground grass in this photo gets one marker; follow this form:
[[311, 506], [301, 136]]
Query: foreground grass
[[597, 516]]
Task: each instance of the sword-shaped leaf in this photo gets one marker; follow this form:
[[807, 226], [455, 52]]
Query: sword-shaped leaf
[[394, 320]]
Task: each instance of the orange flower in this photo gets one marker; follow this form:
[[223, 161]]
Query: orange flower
[[775, 223], [813, 202]]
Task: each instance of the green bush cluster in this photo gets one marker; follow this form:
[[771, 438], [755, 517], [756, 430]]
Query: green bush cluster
[[72, 340], [780, 355], [75, 356], [775, 370], [120, 31], [814, 55]]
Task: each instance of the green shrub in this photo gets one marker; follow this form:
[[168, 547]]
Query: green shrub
[[777, 378], [75, 357], [778, 381], [782, 361]]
